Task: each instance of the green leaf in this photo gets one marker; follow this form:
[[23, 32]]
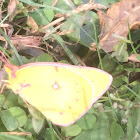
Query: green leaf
[[135, 35], [42, 16], [100, 131], [91, 110], [64, 61], [109, 64], [10, 137], [19, 114], [16, 62], [133, 123], [86, 122], [28, 125], [2, 127], [2, 99], [30, 2], [8, 120], [66, 49], [61, 4], [72, 130], [37, 124], [35, 113], [120, 52], [106, 3], [11, 100], [21, 102], [77, 2], [87, 32], [44, 58], [73, 23], [117, 82], [46, 134], [116, 131], [136, 88]]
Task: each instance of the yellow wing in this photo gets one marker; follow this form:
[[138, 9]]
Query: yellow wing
[[100, 79], [63, 93], [60, 94]]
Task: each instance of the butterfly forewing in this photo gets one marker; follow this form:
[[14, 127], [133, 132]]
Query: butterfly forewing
[[61, 94]]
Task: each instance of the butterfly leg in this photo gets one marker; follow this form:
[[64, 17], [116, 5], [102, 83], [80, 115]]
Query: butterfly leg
[[6, 82], [3, 86], [25, 102]]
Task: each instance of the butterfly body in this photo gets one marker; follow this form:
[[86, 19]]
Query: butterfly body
[[61, 92]]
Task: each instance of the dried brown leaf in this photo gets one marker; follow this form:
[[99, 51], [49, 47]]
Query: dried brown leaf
[[33, 24], [20, 42], [2, 38], [134, 58], [116, 22], [26, 40], [12, 6]]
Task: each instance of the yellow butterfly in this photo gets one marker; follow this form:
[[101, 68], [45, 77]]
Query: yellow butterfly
[[61, 92]]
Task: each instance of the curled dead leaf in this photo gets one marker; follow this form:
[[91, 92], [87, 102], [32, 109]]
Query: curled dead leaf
[[30, 41], [21, 42], [116, 22]]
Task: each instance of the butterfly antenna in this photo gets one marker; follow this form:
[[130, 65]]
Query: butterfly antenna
[[3, 57], [7, 62]]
